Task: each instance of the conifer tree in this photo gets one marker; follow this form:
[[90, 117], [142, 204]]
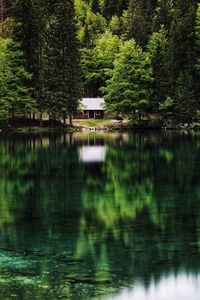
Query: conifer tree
[[182, 53], [15, 96], [163, 15], [62, 73], [128, 91], [158, 48], [138, 20]]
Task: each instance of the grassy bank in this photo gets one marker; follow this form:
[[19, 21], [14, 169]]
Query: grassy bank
[[91, 124]]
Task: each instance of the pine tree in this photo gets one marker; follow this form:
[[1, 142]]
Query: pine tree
[[163, 15], [98, 63], [6, 7], [95, 6], [158, 49], [128, 91], [182, 53], [138, 20], [116, 7], [62, 67], [14, 93]]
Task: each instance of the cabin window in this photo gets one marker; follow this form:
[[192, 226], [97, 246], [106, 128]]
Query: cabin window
[[98, 112], [85, 112]]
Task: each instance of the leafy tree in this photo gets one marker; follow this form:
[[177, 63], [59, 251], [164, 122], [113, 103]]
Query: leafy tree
[[128, 91]]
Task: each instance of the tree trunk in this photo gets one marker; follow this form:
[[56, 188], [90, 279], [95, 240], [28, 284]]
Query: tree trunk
[[11, 120], [70, 120], [140, 115], [2, 18], [64, 121], [41, 123], [70, 139]]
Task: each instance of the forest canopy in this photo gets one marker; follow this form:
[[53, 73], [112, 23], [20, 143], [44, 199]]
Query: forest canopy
[[143, 56]]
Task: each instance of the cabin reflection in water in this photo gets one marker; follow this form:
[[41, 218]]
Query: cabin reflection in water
[[92, 154], [92, 150]]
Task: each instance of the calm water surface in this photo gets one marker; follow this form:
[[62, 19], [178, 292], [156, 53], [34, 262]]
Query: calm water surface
[[100, 216]]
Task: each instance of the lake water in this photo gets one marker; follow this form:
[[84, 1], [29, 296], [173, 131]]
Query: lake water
[[100, 216]]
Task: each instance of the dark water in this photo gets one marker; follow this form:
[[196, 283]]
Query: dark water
[[100, 216]]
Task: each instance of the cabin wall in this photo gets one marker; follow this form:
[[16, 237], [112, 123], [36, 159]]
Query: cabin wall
[[92, 114], [99, 114]]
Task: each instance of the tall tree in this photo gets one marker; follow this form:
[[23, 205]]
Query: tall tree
[[111, 8], [14, 95], [98, 63], [158, 49], [182, 53], [138, 20], [6, 7], [62, 73], [163, 15], [128, 91]]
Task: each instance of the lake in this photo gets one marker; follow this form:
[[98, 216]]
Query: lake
[[100, 216]]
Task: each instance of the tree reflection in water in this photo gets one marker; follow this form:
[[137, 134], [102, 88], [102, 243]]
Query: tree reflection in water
[[79, 223]]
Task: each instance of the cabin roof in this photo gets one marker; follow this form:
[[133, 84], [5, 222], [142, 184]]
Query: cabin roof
[[93, 103]]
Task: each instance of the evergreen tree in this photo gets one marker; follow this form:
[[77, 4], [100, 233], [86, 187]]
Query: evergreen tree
[[128, 91], [98, 63], [182, 54], [158, 48], [15, 97], [89, 24], [163, 15], [111, 8], [62, 68], [6, 7], [138, 20], [95, 6], [185, 100]]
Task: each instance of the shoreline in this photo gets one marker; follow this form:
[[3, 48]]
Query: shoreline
[[61, 129], [105, 125]]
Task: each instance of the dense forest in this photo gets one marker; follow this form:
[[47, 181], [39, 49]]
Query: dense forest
[[143, 56]]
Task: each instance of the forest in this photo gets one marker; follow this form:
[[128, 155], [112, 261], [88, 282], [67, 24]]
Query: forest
[[142, 56]]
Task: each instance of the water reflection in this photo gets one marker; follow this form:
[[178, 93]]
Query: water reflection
[[172, 287], [87, 215], [92, 154]]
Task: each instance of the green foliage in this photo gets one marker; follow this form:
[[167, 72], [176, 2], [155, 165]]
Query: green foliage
[[185, 101], [61, 62], [14, 93], [128, 91], [115, 25], [138, 20], [158, 49], [167, 31], [89, 24], [4, 110], [163, 15], [98, 62]]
